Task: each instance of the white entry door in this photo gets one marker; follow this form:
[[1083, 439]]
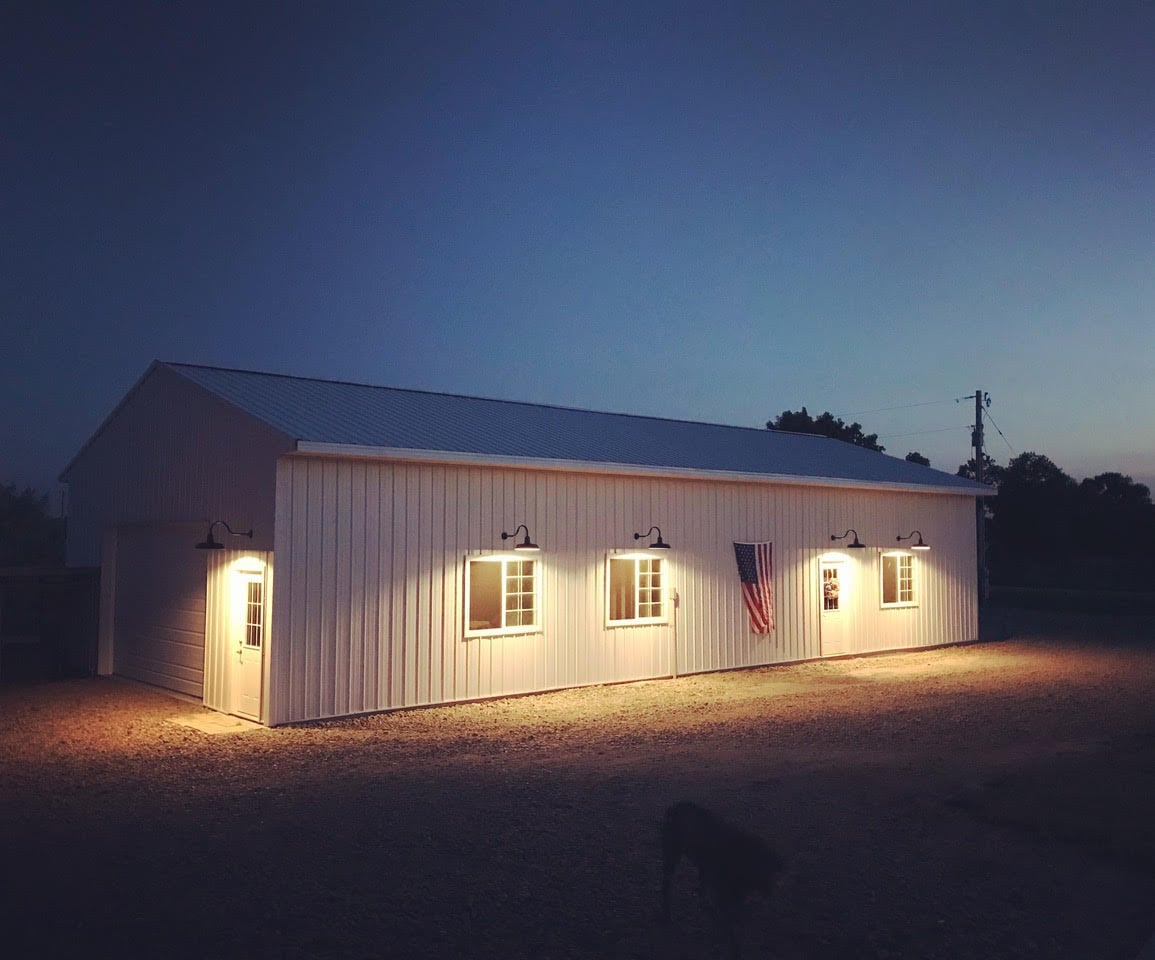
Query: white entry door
[[835, 629], [248, 636]]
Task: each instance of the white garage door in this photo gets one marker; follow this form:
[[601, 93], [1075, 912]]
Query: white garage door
[[159, 632]]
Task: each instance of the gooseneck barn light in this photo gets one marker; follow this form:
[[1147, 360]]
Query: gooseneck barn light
[[920, 545], [853, 545], [658, 544], [525, 544], [210, 543]]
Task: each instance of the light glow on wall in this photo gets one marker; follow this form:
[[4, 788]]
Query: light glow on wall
[[638, 554], [248, 564]]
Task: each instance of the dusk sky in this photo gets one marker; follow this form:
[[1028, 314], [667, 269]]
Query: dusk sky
[[709, 211]]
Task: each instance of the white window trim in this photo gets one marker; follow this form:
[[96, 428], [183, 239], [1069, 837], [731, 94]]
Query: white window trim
[[835, 566], [665, 588], [914, 581], [504, 631], [251, 625]]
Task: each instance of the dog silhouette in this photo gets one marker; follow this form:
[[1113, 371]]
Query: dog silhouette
[[733, 865]]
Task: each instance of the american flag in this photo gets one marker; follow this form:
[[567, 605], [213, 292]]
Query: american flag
[[756, 571]]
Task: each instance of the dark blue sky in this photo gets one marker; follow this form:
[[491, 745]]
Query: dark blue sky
[[712, 211]]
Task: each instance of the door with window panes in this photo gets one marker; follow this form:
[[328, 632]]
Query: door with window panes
[[834, 596], [248, 642]]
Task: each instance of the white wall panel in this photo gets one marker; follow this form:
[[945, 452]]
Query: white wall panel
[[172, 453], [371, 575]]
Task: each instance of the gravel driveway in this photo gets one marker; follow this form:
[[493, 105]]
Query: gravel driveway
[[988, 801]]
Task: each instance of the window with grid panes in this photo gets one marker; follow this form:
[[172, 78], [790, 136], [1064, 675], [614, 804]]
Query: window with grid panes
[[254, 613], [831, 588], [897, 580], [520, 608], [635, 590], [501, 595]]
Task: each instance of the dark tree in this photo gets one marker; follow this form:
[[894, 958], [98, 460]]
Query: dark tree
[[825, 425], [915, 457], [29, 534], [1038, 473], [1034, 513], [992, 472], [1114, 516], [1116, 489]]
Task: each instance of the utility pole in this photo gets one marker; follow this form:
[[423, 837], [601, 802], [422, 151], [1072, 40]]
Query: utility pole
[[977, 436], [980, 506]]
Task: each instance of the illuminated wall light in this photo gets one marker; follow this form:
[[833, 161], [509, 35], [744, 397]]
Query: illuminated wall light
[[920, 545], [526, 545], [855, 544], [658, 544]]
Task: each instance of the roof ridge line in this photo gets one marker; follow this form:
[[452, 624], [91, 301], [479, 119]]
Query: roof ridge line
[[468, 396]]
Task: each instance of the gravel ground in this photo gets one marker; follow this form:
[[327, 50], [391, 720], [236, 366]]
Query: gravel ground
[[987, 801]]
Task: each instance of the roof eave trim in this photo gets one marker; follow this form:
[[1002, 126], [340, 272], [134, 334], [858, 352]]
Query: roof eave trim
[[320, 449]]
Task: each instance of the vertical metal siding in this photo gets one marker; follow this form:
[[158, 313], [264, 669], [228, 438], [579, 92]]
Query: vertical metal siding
[[371, 578], [172, 453]]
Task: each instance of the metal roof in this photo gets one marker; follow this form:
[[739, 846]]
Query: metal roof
[[325, 412]]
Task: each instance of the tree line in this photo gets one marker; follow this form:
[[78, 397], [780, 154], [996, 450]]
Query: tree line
[[1044, 528], [1047, 529]]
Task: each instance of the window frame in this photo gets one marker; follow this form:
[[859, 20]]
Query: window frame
[[898, 556], [636, 559], [504, 630], [835, 569], [254, 634]]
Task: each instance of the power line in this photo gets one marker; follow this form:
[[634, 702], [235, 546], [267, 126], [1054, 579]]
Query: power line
[[1001, 434], [930, 403], [903, 406], [919, 433]]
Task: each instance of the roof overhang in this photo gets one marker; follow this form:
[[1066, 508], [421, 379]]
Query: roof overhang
[[407, 455]]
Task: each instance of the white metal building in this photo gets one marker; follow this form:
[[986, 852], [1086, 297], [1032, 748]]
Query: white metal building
[[381, 512]]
